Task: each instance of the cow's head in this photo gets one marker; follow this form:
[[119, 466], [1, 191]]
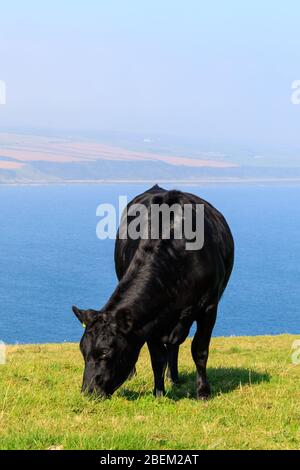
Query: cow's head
[[109, 349]]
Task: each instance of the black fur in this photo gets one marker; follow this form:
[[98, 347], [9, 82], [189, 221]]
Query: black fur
[[162, 290]]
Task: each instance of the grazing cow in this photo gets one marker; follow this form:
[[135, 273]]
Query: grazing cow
[[163, 288]]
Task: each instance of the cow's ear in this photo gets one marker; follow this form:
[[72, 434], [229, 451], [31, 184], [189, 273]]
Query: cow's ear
[[85, 317], [124, 320]]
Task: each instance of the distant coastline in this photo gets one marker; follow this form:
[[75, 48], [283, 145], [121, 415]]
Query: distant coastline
[[155, 181]]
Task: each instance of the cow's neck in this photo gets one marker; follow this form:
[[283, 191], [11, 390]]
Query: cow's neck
[[143, 290]]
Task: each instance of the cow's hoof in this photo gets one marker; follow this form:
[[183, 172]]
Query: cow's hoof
[[204, 397], [159, 393], [204, 393]]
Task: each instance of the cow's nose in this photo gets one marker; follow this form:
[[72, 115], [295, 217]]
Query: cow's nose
[[100, 393], [87, 388], [96, 391]]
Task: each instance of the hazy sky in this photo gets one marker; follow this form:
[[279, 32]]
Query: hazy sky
[[213, 70]]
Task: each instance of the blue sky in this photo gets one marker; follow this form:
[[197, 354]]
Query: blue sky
[[211, 70]]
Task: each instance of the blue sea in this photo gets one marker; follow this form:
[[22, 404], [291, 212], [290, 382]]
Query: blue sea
[[51, 258]]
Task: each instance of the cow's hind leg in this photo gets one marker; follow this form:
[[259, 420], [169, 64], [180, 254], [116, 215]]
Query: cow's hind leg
[[200, 348], [172, 372], [132, 374], [158, 353]]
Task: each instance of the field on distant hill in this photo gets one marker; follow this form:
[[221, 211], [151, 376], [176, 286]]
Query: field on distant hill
[[29, 158], [38, 159]]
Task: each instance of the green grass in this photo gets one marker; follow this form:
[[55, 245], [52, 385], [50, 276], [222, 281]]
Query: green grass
[[255, 403]]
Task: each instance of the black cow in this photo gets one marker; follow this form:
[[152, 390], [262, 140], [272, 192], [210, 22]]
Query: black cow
[[163, 288]]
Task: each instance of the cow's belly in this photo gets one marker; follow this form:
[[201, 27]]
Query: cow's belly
[[178, 335]]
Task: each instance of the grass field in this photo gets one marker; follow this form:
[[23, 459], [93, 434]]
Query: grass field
[[255, 403]]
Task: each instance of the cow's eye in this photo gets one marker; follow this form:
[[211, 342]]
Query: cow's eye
[[104, 355]]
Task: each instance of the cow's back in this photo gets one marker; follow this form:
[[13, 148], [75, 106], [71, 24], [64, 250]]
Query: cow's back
[[210, 265]]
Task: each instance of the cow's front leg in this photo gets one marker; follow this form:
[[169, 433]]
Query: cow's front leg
[[200, 348], [158, 353], [172, 373]]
